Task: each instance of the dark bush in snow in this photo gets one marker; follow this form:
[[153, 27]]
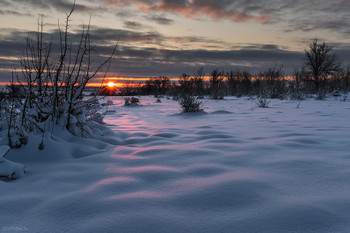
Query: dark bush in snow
[[190, 103], [262, 102], [128, 101]]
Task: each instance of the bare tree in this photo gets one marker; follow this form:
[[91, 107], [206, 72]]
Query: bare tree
[[198, 83], [185, 86], [158, 85], [321, 61]]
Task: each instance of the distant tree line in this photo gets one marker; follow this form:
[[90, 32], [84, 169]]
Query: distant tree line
[[320, 74], [271, 83]]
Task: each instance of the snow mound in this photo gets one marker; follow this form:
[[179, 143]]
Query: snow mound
[[9, 170]]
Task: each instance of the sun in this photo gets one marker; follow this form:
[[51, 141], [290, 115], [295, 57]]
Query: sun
[[111, 84]]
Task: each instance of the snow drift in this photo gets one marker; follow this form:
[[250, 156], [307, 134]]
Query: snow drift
[[236, 168]]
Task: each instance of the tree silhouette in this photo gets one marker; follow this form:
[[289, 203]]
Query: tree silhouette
[[321, 61]]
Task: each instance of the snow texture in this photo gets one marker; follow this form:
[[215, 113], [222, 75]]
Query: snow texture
[[232, 168]]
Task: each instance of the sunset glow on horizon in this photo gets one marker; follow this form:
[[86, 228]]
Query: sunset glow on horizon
[[169, 38]]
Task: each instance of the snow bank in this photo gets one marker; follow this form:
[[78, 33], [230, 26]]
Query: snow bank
[[237, 168]]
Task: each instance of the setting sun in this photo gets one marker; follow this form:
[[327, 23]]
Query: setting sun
[[111, 84]]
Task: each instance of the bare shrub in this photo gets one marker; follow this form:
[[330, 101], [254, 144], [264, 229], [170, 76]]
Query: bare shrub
[[262, 101], [129, 101], [321, 94], [52, 83], [273, 82]]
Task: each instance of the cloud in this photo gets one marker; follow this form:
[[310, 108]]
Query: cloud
[[13, 12], [214, 10], [132, 24], [142, 49], [172, 63], [140, 61], [160, 19], [137, 60], [108, 35], [61, 5], [66, 6], [335, 24], [294, 15], [317, 16]]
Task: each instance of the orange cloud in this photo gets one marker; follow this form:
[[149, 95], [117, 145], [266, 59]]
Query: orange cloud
[[195, 9]]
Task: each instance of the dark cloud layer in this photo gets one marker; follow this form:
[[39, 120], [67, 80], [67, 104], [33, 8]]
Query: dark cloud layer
[[135, 59], [163, 20], [133, 24], [60, 5], [139, 61]]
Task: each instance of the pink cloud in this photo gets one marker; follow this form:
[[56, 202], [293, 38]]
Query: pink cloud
[[194, 9]]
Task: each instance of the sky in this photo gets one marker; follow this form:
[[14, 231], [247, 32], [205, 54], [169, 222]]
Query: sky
[[172, 37]]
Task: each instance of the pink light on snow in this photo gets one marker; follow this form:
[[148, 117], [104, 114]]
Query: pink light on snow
[[109, 181]]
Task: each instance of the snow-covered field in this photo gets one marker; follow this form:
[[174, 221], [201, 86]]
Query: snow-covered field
[[232, 168]]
